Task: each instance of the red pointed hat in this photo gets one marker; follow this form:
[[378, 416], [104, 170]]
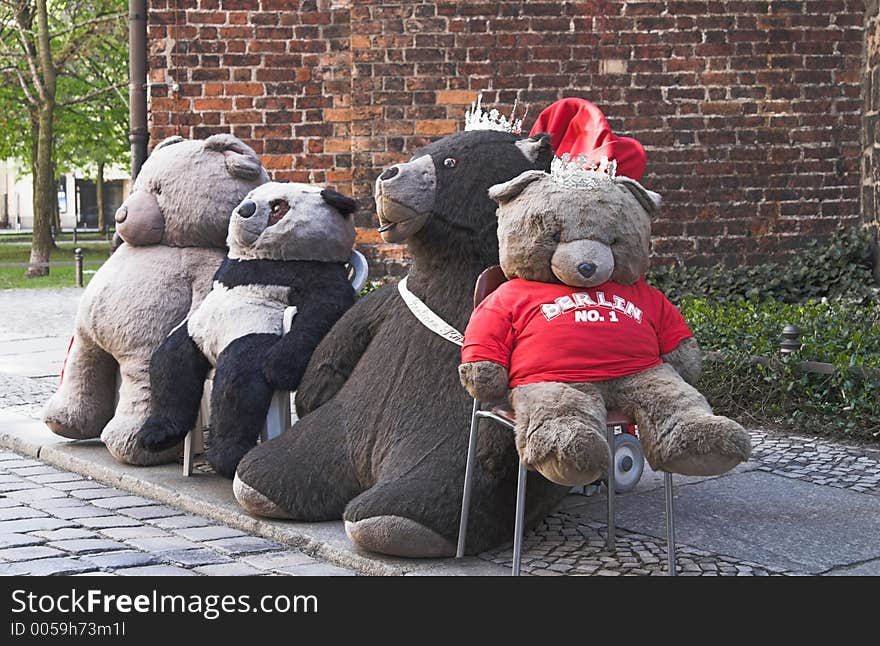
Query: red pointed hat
[[578, 127]]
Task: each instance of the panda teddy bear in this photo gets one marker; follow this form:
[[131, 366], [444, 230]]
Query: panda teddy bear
[[288, 245]]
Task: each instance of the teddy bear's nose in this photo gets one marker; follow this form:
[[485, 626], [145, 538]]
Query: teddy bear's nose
[[587, 269], [121, 214], [389, 173], [247, 209]]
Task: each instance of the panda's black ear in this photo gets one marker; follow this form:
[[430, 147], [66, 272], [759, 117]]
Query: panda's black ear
[[340, 202]]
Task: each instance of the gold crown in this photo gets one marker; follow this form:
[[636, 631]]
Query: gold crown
[[478, 119]]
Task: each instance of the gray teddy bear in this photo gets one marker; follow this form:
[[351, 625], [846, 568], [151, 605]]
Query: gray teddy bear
[[577, 330]]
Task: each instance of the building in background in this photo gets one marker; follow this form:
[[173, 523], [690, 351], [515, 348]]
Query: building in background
[[77, 197]]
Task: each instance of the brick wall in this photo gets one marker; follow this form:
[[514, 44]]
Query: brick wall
[[871, 124], [749, 111]]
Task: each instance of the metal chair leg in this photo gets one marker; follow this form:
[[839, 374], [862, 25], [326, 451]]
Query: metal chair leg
[[468, 482], [520, 513], [609, 539], [670, 524]]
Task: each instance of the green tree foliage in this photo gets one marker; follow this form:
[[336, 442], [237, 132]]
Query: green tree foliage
[[62, 66]]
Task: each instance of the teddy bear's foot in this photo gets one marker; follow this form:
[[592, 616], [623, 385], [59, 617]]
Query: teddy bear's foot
[[225, 456], [120, 437], [398, 536], [706, 446], [158, 434], [255, 503], [76, 424], [567, 451]]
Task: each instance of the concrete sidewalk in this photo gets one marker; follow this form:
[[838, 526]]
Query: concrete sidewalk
[[803, 505]]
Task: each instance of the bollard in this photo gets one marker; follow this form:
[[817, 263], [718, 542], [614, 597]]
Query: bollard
[[791, 339], [78, 259]]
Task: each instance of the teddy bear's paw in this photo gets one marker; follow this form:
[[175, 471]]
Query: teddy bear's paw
[[62, 423], [225, 456], [75, 420], [255, 503], [398, 536], [708, 446], [120, 436], [158, 434], [566, 451], [484, 380], [282, 373]]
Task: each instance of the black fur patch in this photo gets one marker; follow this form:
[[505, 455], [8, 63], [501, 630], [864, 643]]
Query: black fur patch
[[300, 275], [340, 202]]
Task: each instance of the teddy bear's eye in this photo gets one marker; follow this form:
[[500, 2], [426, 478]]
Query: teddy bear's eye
[[450, 162], [158, 189], [557, 236]]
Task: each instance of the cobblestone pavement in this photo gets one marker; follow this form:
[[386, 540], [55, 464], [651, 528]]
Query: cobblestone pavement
[[25, 396], [562, 544], [819, 461], [565, 543], [56, 522]]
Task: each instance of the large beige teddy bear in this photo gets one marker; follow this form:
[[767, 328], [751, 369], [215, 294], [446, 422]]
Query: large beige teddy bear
[[577, 330], [174, 226]]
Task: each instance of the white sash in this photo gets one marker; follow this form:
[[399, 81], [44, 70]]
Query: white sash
[[426, 315]]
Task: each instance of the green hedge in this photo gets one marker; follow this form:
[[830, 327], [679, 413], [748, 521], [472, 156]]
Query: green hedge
[[838, 268], [748, 379], [738, 313]]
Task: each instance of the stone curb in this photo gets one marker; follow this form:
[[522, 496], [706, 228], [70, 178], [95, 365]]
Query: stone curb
[[211, 497]]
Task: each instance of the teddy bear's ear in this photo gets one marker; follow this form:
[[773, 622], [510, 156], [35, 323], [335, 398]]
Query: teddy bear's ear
[[241, 160], [176, 139], [503, 193], [533, 146], [340, 202], [649, 200]]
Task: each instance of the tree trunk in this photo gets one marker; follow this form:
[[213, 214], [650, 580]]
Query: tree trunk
[[45, 197], [45, 191], [99, 194]]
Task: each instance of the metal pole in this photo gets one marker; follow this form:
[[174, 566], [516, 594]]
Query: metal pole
[[137, 90], [670, 524], [791, 339], [468, 482], [78, 259], [74, 235], [520, 513], [609, 539]]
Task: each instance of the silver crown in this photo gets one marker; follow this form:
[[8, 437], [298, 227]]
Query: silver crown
[[478, 119], [580, 173]]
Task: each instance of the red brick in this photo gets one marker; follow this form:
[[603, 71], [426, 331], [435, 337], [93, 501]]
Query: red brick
[[749, 110]]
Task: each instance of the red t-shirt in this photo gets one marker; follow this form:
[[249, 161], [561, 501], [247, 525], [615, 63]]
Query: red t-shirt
[[550, 332]]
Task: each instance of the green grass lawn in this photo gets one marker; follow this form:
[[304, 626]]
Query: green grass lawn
[[13, 277]]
